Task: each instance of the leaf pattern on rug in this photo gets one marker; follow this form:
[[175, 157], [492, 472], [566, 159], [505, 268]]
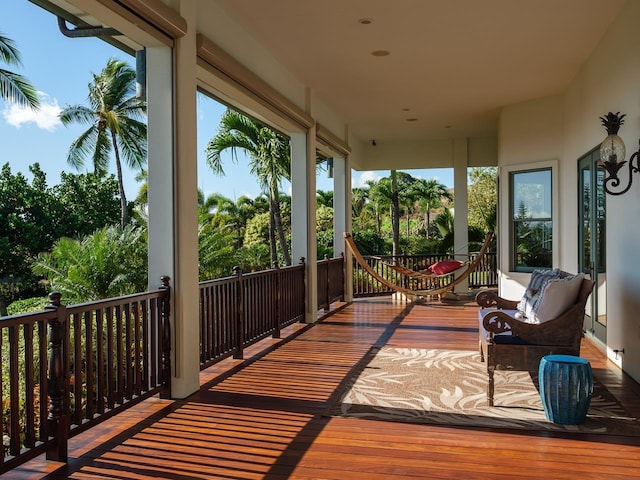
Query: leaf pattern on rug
[[449, 387]]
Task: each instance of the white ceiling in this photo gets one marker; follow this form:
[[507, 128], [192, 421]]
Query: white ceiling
[[452, 65]]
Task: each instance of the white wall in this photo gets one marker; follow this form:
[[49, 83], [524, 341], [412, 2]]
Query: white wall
[[566, 127]]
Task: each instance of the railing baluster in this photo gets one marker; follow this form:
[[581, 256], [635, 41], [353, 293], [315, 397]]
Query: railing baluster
[[44, 404], [77, 368], [29, 433], [145, 359], [239, 324], [14, 388], [111, 365], [127, 353], [277, 294], [90, 366], [137, 358], [101, 369]]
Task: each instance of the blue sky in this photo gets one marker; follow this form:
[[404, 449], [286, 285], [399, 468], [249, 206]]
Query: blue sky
[[60, 68]]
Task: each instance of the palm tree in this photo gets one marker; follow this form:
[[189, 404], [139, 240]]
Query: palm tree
[[109, 263], [380, 199], [431, 194], [15, 88], [269, 161], [324, 198], [114, 116]]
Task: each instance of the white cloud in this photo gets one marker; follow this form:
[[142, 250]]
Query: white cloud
[[45, 118], [364, 178]]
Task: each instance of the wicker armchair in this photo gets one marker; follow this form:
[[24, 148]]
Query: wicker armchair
[[507, 343]]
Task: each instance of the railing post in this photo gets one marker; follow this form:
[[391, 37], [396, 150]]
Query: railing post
[[278, 320], [57, 384], [239, 353], [305, 287], [165, 314], [327, 306], [344, 277]]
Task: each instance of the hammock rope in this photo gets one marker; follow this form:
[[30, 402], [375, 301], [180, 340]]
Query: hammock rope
[[415, 275]]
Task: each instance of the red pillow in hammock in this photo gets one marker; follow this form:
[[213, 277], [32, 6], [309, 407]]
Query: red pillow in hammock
[[445, 266]]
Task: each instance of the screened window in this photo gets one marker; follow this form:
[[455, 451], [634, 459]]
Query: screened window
[[531, 219]]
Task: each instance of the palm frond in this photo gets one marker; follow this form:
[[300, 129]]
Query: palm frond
[[16, 89]]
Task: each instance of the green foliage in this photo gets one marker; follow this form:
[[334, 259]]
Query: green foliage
[[257, 230], [370, 243], [109, 263], [33, 216], [252, 258], [419, 245], [324, 244], [27, 305], [215, 251], [324, 218], [483, 197], [89, 202]]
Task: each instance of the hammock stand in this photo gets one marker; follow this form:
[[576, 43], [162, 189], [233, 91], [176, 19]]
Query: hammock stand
[[417, 275]]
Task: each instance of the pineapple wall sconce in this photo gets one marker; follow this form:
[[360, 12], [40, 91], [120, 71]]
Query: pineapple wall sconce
[[612, 154]]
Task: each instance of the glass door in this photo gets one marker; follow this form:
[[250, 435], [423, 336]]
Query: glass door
[[591, 238]]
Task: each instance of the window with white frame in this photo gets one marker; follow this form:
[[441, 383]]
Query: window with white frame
[[530, 219]]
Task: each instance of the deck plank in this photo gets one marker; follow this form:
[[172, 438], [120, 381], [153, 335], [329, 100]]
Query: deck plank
[[262, 417]]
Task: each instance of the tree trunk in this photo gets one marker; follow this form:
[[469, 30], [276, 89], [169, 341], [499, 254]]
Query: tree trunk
[[124, 214], [272, 236], [277, 217], [395, 214], [3, 307]]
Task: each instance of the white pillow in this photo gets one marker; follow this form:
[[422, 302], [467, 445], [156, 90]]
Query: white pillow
[[537, 281], [557, 296]]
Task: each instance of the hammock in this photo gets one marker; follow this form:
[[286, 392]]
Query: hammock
[[420, 275]]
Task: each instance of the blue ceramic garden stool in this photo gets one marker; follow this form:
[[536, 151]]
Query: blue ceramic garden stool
[[566, 385]]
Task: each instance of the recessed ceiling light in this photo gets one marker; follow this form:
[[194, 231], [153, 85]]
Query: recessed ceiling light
[[447, 126], [365, 21], [412, 119], [380, 53], [406, 109]]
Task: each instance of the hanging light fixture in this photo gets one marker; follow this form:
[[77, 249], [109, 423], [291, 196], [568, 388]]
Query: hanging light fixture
[[612, 154]]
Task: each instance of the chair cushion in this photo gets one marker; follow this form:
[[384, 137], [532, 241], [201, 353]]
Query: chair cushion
[[557, 296], [445, 266]]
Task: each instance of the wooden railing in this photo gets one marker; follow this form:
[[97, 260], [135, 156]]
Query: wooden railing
[[485, 275], [240, 310], [330, 281], [69, 368]]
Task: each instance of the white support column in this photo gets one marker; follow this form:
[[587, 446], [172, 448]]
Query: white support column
[[339, 205], [342, 217], [173, 222], [303, 213], [460, 224]]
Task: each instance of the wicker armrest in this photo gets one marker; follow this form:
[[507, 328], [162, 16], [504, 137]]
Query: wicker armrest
[[489, 298]]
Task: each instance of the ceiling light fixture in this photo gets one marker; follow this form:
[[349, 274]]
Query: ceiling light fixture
[[365, 21], [380, 53], [412, 119]]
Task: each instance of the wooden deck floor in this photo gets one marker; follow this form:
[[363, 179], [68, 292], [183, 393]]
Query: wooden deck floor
[[261, 418]]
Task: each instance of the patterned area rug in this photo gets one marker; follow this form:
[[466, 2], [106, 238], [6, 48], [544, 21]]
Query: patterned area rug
[[448, 387]]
